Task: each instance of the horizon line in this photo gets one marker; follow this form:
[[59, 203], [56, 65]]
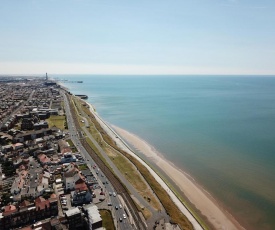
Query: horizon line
[[126, 74]]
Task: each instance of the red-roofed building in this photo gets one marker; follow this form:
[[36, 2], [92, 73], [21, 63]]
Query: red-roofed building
[[27, 213], [81, 186], [9, 209], [43, 159]]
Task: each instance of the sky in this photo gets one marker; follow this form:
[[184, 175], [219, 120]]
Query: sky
[[137, 37]]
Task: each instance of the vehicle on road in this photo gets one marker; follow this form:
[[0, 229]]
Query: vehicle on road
[[124, 216], [120, 219], [116, 207], [120, 206], [109, 204], [114, 194]]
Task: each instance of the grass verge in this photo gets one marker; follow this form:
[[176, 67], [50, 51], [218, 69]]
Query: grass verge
[[57, 121], [171, 209], [107, 219]]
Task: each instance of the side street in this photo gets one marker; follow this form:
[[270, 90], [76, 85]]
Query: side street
[[45, 181]]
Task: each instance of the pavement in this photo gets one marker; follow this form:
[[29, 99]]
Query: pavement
[[125, 224], [121, 144], [156, 214]]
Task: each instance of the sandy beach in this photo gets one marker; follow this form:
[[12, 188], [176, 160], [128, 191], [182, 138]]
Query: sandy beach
[[203, 201]]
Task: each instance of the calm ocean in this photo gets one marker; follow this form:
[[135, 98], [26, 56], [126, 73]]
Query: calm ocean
[[221, 130]]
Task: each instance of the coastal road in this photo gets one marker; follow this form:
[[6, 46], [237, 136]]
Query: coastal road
[[120, 142], [156, 214], [117, 214]]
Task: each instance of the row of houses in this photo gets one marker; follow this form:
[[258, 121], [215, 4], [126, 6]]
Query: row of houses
[[28, 212]]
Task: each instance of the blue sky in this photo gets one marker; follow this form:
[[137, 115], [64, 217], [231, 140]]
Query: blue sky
[[137, 37]]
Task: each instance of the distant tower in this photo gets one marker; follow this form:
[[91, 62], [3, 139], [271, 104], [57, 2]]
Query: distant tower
[[46, 77]]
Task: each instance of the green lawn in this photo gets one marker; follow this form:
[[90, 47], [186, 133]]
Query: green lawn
[[107, 219], [83, 167], [57, 121]]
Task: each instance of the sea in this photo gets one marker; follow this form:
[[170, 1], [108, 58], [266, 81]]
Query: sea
[[219, 129]]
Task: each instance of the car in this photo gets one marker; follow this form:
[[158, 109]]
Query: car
[[120, 219], [110, 193], [114, 194], [120, 206], [116, 207], [109, 204], [124, 216]]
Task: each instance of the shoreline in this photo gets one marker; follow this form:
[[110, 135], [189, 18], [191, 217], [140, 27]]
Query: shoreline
[[123, 145], [198, 196]]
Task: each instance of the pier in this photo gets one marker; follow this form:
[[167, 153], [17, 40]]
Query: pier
[[82, 96], [66, 81]]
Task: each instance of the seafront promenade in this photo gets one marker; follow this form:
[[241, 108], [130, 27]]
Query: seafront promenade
[[218, 218], [123, 146]]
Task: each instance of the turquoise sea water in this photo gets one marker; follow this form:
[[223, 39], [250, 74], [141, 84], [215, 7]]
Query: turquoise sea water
[[221, 130]]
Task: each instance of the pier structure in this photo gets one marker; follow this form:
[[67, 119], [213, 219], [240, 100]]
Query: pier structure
[[82, 96]]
